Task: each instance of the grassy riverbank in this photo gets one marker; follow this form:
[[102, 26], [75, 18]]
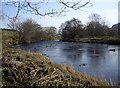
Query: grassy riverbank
[[23, 68], [26, 68], [102, 40]]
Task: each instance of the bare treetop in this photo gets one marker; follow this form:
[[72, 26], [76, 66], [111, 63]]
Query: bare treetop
[[36, 8]]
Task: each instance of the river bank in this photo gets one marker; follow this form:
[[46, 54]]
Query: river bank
[[26, 68], [22, 68], [100, 40]]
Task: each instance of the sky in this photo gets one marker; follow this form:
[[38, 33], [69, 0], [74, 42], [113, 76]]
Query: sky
[[107, 9], [119, 11]]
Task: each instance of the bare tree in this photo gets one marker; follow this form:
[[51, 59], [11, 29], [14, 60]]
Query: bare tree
[[70, 29], [95, 17], [97, 26], [14, 25], [50, 33], [35, 8]]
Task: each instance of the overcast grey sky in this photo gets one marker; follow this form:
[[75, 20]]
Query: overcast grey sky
[[108, 9]]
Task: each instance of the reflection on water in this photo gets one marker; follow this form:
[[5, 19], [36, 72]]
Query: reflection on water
[[97, 58]]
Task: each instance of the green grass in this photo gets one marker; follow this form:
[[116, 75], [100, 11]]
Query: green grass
[[105, 40]]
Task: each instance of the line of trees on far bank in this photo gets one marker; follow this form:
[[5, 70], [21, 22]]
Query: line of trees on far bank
[[30, 31], [97, 27]]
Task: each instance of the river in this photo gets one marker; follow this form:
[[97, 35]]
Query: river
[[99, 60]]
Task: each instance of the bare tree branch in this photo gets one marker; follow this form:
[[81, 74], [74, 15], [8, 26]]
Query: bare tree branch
[[18, 11], [75, 5], [35, 9]]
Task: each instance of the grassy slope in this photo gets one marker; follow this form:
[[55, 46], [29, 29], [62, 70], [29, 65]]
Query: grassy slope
[[25, 68]]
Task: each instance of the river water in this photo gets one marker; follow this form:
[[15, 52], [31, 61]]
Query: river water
[[93, 59]]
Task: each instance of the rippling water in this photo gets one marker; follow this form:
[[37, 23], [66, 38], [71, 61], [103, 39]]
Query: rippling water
[[93, 59]]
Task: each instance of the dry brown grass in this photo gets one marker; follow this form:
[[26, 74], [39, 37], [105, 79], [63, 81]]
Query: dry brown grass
[[26, 68]]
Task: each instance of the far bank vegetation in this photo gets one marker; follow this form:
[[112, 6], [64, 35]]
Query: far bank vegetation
[[30, 31], [96, 30]]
